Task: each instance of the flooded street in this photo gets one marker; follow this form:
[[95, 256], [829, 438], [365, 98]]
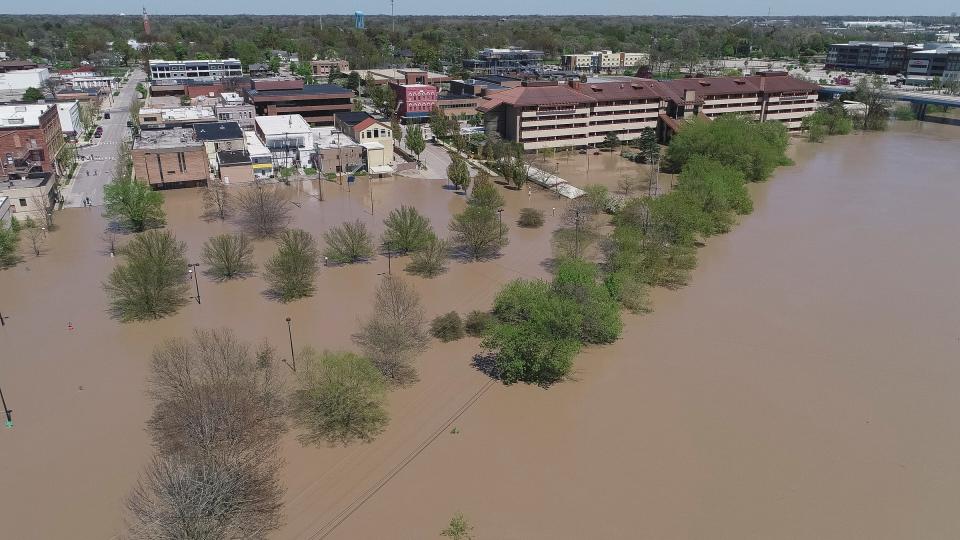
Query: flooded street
[[803, 386]]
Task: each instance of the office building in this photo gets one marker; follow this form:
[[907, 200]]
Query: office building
[[233, 108], [288, 138], [316, 103], [604, 61], [69, 115], [500, 60], [374, 136], [888, 57], [414, 101], [323, 68], [194, 70]]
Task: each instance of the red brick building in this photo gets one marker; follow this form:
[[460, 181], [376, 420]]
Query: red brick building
[[414, 101], [30, 139]]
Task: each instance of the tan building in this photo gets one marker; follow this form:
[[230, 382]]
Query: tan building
[[30, 196], [323, 68], [375, 136], [170, 158], [550, 115], [175, 116], [235, 166], [604, 61]]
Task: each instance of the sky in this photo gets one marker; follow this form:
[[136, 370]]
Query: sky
[[496, 7]]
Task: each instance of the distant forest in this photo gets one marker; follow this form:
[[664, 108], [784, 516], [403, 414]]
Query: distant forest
[[428, 41]]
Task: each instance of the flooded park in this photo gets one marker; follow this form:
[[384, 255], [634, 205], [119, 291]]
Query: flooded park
[[802, 386]]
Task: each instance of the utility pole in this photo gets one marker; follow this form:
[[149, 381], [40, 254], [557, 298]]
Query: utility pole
[[6, 411], [577, 225], [194, 269], [293, 357], [393, 22]]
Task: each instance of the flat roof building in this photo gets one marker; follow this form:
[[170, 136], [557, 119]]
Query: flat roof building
[[871, 56], [170, 158], [402, 76], [288, 138], [30, 139], [493, 60], [316, 103], [194, 70], [175, 116]]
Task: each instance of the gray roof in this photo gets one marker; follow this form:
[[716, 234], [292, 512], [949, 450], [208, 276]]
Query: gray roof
[[218, 131]]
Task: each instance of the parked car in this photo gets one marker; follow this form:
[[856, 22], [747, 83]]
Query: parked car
[[106, 116], [129, 123], [99, 132]]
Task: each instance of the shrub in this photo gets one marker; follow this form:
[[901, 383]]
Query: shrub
[[447, 327], [228, 256], [407, 230], [904, 112], [9, 244], [755, 148], [339, 398], [477, 322], [530, 218], [431, 260], [348, 243], [151, 283], [291, 271]]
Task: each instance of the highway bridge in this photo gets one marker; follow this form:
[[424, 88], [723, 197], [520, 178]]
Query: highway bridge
[[919, 100]]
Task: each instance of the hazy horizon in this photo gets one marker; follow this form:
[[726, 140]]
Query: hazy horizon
[[856, 8]]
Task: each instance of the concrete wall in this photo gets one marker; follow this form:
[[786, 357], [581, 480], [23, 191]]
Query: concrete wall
[[237, 174]]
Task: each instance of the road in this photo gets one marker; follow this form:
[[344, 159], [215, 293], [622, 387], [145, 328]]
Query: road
[[96, 169]]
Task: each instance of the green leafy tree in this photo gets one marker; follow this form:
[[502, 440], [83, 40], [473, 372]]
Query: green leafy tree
[[718, 189], [649, 149], [485, 193], [477, 322], [447, 327], [133, 204], [611, 140], [430, 261], [406, 230], [151, 283], [439, 124], [339, 398], [349, 242], [478, 232], [32, 95], [755, 148], [395, 128], [292, 270], [458, 173], [415, 141], [872, 93], [458, 529], [9, 245], [228, 256]]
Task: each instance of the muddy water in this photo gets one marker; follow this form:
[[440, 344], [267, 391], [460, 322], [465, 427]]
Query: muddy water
[[802, 387]]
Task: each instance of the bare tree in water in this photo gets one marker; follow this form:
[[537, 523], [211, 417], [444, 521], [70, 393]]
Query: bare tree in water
[[263, 211], [395, 332]]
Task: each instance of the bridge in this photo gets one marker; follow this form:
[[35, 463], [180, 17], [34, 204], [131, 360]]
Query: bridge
[[919, 100]]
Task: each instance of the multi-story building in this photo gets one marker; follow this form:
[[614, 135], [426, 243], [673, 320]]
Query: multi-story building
[[414, 101], [232, 108], [195, 70], [30, 196], [316, 103], [152, 118], [30, 140], [870, 56], [323, 68], [217, 136], [604, 61], [374, 136], [401, 76], [509, 59], [92, 82], [548, 115], [336, 152], [931, 61], [951, 72], [287, 137], [170, 158]]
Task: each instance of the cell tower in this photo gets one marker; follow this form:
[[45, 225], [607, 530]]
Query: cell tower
[[146, 22]]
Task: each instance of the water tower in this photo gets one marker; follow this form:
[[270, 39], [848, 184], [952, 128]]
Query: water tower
[[358, 18]]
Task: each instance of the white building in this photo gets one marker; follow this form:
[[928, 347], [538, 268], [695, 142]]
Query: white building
[[69, 114], [604, 61], [84, 83], [195, 70], [22, 79], [288, 138], [260, 157]]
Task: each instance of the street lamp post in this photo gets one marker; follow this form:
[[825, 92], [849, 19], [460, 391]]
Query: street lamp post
[[6, 411], [500, 223], [293, 357], [194, 270], [389, 257], [577, 223]]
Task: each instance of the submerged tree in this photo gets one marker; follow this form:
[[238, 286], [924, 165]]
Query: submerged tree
[[133, 204], [217, 201], [339, 398], [349, 242], [407, 230], [292, 270], [395, 331], [229, 256], [485, 193], [431, 260], [151, 283], [263, 211], [478, 232], [9, 246]]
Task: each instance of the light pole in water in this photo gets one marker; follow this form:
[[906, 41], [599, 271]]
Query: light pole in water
[[194, 270], [6, 411], [500, 223], [3, 320], [293, 357]]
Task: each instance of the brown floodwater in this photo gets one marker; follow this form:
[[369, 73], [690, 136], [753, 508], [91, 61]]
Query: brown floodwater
[[803, 385]]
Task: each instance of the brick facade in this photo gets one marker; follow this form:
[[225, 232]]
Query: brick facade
[[32, 148], [163, 168]]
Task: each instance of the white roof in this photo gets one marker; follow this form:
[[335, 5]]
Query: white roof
[[231, 97], [372, 145], [282, 124], [181, 113], [22, 115], [328, 137], [254, 146]]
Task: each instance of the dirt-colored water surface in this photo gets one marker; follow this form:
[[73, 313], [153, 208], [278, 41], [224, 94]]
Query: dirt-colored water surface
[[803, 386]]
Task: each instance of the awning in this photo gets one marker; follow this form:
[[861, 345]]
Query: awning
[[381, 169], [262, 166]]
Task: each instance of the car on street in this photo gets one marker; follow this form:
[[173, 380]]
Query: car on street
[[106, 116], [99, 132]]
